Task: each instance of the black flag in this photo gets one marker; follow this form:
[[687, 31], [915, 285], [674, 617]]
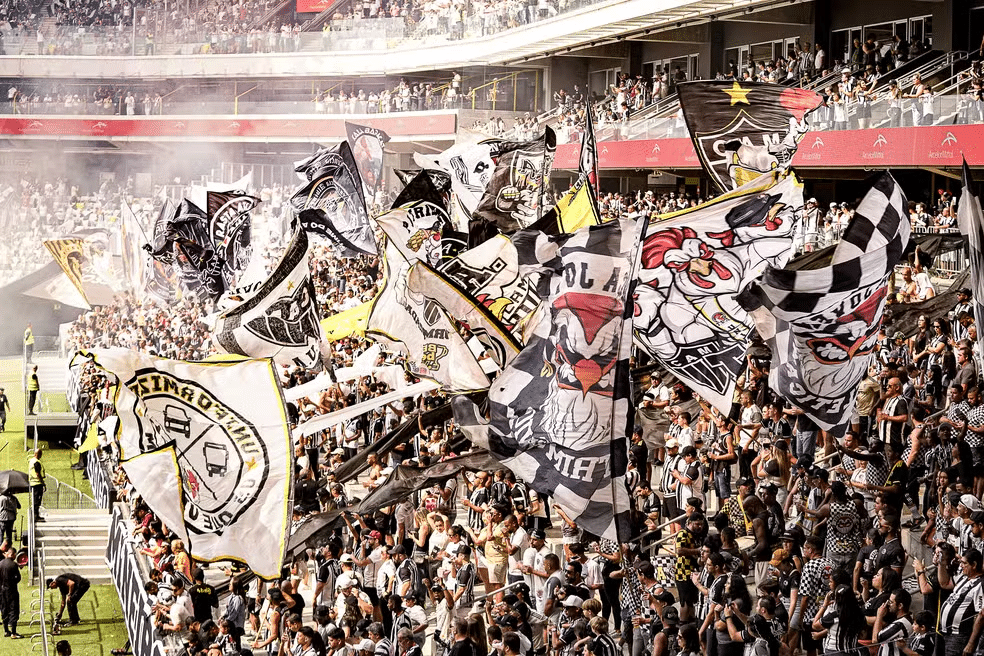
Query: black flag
[[335, 189], [743, 129]]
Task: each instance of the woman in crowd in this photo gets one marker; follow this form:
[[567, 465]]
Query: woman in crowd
[[839, 622]]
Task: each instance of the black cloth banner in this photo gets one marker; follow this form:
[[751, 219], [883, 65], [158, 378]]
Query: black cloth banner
[[335, 187], [743, 129], [402, 433], [138, 615], [405, 480]]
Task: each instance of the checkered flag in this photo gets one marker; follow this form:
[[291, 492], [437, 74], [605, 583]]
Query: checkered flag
[[559, 412], [822, 324], [971, 221]]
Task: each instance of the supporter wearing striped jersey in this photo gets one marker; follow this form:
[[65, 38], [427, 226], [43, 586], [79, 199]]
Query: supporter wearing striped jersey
[[892, 624], [960, 610]]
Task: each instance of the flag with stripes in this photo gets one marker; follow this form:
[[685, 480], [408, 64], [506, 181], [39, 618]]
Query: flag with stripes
[[822, 324], [588, 164], [574, 210], [971, 221], [560, 411], [693, 265]]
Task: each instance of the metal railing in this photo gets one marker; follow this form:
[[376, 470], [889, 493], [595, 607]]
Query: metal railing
[[32, 546], [39, 609], [62, 496]]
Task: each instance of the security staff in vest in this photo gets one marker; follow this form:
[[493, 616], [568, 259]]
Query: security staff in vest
[[28, 343], [36, 478], [33, 387]]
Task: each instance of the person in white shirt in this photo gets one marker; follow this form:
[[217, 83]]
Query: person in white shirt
[[533, 569], [518, 543], [385, 574], [181, 608], [418, 617]]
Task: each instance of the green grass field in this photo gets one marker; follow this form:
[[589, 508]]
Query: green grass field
[[102, 628]]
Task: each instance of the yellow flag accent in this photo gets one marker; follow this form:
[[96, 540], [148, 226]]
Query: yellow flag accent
[[575, 209], [738, 95], [347, 323], [91, 439]]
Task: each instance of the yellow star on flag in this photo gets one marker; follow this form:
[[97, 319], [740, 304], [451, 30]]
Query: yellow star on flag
[[290, 285], [738, 95]]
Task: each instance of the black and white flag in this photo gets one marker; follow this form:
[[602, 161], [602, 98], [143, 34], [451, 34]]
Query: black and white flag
[[333, 204], [367, 148], [231, 228], [971, 221], [278, 320], [560, 410], [514, 197], [186, 243], [694, 264], [822, 324]]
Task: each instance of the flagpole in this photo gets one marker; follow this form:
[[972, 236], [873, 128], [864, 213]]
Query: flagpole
[[621, 528]]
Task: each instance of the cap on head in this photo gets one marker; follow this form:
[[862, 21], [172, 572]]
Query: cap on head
[[970, 502]]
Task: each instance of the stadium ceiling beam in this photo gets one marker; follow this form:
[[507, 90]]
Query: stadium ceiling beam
[[618, 50], [954, 175], [765, 21]]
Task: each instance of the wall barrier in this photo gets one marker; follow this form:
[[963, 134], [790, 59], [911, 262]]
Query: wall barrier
[[125, 569]]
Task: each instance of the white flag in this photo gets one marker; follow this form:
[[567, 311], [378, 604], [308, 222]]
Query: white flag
[[207, 446], [279, 319]]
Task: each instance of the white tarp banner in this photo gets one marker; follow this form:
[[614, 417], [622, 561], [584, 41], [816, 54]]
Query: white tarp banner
[[208, 447]]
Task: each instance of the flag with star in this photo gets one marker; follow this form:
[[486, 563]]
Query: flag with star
[[743, 129], [822, 323], [279, 318]]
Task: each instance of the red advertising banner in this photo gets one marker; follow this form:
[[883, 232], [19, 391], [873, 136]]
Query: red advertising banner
[[228, 128], [313, 6], [875, 148]]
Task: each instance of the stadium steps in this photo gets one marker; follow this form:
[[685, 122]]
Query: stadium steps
[[75, 541]]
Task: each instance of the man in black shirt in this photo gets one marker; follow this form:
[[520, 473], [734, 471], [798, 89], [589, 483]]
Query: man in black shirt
[[9, 594], [891, 553], [72, 587], [462, 643], [203, 597], [4, 407]]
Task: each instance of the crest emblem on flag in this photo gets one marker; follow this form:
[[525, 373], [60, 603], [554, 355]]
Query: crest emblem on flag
[[693, 266], [278, 318], [743, 129], [219, 453], [230, 227]]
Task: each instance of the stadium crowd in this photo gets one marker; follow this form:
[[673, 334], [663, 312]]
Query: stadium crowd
[[757, 533]]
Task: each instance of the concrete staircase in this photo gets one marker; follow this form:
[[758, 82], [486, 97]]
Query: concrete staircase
[[75, 541]]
